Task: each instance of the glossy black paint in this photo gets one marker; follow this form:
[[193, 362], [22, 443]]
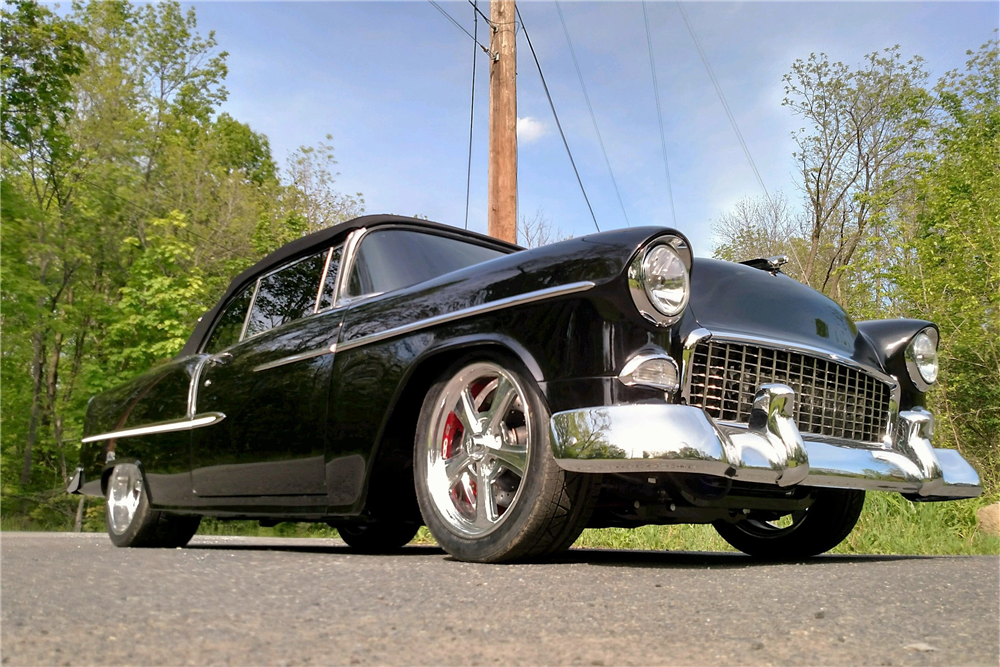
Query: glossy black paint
[[888, 340], [332, 435]]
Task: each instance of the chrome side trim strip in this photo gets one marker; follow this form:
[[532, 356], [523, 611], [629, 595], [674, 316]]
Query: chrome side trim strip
[[311, 354], [169, 426], [482, 309]]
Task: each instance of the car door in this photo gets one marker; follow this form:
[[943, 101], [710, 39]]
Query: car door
[[273, 388]]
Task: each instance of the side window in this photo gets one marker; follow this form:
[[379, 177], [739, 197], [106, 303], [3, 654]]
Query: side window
[[286, 295], [227, 329], [395, 258]]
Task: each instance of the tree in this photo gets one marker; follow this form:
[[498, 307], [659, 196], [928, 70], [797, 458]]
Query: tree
[[129, 202], [861, 124], [952, 246], [762, 227], [311, 175], [538, 231]]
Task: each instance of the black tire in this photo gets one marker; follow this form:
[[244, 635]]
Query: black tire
[[821, 527], [550, 507], [147, 527], [379, 537]]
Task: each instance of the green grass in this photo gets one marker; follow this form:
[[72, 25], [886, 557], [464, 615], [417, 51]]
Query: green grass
[[890, 524]]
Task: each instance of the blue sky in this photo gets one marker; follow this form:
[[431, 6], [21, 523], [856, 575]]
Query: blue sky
[[391, 83]]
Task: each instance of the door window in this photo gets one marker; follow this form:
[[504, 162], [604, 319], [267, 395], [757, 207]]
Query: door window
[[286, 295], [391, 259], [230, 325]]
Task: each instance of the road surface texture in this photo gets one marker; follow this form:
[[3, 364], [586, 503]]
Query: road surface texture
[[77, 600]]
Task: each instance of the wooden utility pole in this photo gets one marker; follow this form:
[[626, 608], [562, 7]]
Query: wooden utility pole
[[503, 123]]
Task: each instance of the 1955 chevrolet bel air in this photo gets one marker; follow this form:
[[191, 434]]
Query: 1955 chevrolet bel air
[[389, 372]]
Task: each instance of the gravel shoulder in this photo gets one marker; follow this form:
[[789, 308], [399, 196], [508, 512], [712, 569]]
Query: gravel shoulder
[[74, 599]]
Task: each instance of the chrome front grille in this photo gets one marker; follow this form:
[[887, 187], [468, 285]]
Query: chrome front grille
[[831, 399]]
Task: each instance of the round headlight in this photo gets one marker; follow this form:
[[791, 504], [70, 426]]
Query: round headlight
[[665, 280], [922, 359]]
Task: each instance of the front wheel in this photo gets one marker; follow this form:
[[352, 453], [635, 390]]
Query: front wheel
[[814, 530], [130, 520], [488, 486]]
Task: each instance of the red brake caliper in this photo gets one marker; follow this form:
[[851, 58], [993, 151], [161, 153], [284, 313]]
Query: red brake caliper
[[451, 441]]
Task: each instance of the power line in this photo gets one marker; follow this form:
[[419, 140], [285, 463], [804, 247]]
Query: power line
[[458, 25], [475, 5], [472, 110], [600, 139], [556, 116], [722, 98], [659, 113]]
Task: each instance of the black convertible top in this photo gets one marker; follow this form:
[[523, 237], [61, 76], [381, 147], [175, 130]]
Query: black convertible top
[[306, 245]]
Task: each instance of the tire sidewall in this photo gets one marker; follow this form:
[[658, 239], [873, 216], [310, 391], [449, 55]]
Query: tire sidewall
[[143, 516], [826, 524], [512, 536]]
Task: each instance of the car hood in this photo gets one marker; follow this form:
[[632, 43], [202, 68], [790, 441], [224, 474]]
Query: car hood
[[728, 297]]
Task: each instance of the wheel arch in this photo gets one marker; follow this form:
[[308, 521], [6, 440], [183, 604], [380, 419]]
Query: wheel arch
[[391, 466]]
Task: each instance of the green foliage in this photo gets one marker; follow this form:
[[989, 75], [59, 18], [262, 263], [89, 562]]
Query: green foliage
[[129, 202], [901, 218], [40, 53], [952, 241], [162, 296]]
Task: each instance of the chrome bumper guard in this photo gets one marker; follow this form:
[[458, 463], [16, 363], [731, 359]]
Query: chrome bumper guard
[[768, 450]]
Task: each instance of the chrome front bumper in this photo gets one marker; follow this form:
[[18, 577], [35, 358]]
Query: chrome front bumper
[[768, 450]]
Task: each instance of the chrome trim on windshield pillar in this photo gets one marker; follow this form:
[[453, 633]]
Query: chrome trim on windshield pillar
[[322, 279], [481, 309], [168, 426], [347, 263], [246, 318]]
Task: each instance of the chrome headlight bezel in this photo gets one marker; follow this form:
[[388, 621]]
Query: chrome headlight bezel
[[648, 305], [922, 365]]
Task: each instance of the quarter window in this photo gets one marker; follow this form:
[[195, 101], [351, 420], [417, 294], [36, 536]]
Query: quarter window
[[227, 329], [286, 295], [393, 258]]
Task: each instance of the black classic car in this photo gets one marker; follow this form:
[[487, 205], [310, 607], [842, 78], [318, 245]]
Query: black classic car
[[388, 373]]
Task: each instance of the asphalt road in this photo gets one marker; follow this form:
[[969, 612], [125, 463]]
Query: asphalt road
[[77, 600]]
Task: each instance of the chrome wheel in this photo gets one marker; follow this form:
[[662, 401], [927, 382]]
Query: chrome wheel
[[124, 494], [477, 449]]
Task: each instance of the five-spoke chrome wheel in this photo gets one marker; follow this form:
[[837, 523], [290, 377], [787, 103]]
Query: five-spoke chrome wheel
[[124, 494], [478, 450]]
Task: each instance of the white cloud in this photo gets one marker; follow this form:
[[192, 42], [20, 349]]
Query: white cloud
[[530, 130]]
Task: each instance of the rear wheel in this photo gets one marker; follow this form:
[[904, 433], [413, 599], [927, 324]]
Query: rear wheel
[[130, 520], [488, 487], [378, 537], [819, 528]]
